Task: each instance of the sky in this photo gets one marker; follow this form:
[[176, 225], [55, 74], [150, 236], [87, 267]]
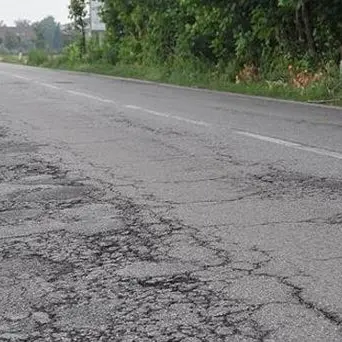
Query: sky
[[33, 10]]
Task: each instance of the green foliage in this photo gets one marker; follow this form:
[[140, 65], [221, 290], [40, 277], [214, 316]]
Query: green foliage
[[78, 13], [110, 53], [11, 41], [196, 39], [94, 52], [218, 31], [71, 54], [216, 43], [37, 57], [48, 33]]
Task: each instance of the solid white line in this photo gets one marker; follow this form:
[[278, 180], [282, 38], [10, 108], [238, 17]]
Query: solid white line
[[165, 115], [92, 97], [297, 146]]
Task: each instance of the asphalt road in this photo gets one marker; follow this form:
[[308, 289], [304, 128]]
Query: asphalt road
[[132, 211]]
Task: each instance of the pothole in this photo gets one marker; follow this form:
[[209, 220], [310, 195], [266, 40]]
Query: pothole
[[298, 185]]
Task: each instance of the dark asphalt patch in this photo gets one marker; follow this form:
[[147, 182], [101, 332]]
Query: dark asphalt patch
[[280, 183]]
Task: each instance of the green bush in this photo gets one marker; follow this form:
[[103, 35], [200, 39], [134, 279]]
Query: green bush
[[130, 51], [110, 53], [71, 55], [37, 57], [94, 51]]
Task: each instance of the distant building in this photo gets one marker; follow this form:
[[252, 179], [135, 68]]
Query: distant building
[[24, 33], [17, 38]]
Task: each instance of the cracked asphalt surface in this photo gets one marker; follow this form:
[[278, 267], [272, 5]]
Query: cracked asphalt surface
[[121, 224]]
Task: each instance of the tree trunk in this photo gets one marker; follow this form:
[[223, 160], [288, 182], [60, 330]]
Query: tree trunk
[[341, 61], [299, 25], [83, 42], [308, 31]]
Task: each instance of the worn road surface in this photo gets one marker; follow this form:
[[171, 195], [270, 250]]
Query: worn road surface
[[132, 211]]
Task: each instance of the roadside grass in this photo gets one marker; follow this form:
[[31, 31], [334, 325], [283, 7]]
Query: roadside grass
[[320, 92], [202, 80], [14, 59]]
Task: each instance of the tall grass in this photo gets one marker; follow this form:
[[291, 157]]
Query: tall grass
[[37, 58]]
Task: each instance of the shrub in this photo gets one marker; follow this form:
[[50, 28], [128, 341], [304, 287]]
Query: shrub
[[71, 55], [94, 51], [37, 57]]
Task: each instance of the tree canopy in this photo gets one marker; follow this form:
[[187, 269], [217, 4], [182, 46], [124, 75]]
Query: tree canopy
[[218, 31], [78, 13], [48, 33]]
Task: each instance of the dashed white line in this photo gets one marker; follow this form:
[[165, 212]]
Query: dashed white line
[[21, 77], [194, 122], [286, 143], [153, 112], [48, 85], [89, 96], [165, 115], [297, 146]]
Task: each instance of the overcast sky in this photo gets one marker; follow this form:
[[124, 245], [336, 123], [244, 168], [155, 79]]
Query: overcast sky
[[33, 10]]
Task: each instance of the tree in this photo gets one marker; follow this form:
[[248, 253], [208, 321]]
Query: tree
[[225, 34], [45, 32], [40, 40], [12, 41], [69, 35], [303, 22], [25, 34], [1, 25], [22, 24], [78, 13], [57, 38]]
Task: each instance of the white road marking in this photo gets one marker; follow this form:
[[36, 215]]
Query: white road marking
[[165, 115], [297, 146], [194, 122], [89, 96], [21, 77], [153, 112], [47, 85], [286, 143]]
